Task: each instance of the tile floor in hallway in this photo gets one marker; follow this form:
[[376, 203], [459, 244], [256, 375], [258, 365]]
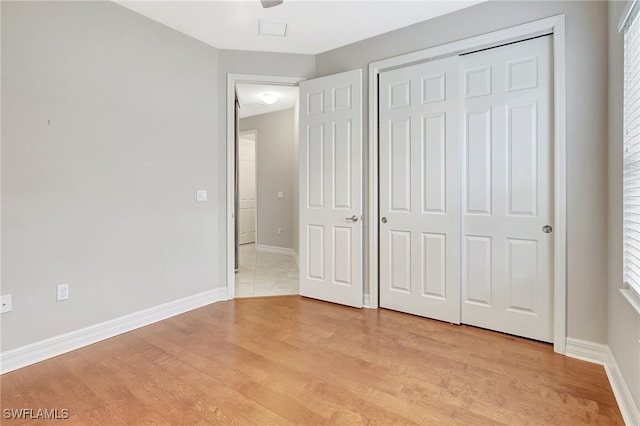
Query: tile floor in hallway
[[265, 274]]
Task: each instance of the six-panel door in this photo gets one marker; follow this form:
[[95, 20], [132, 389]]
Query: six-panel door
[[331, 187], [507, 196], [419, 205]]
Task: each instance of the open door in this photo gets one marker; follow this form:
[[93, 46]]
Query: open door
[[331, 189], [236, 207]]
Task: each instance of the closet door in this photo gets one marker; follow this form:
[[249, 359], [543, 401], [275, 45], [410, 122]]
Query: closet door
[[419, 190], [507, 189]]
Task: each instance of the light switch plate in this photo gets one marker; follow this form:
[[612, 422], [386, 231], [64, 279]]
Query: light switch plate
[[281, 194], [201, 195], [5, 303]]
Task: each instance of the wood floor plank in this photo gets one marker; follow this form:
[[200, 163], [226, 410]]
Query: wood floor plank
[[115, 400], [221, 389], [291, 360], [173, 397], [11, 397]]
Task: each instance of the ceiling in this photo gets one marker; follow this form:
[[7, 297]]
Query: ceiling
[[313, 26], [250, 98]]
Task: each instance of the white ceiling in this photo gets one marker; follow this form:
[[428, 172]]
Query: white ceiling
[[314, 26], [250, 98]]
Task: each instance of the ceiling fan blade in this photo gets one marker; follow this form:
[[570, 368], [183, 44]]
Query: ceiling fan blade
[[270, 3]]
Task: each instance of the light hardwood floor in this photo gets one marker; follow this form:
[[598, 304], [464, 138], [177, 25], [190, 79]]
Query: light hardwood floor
[[291, 360]]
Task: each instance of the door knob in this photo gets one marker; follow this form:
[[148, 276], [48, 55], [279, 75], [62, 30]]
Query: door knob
[[547, 229], [383, 220], [353, 218]]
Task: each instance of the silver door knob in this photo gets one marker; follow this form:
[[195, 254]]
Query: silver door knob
[[383, 220], [353, 218], [547, 229]]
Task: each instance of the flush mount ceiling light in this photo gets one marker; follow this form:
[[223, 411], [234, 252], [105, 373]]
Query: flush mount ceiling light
[[272, 28], [269, 98]]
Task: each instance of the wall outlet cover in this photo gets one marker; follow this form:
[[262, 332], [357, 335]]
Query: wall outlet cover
[[62, 292], [5, 304]]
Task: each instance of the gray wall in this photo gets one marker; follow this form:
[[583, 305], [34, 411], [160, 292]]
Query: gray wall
[[276, 172], [586, 46], [624, 327], [104, 197]]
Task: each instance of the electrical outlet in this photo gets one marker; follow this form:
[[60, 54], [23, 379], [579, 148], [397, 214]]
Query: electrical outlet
[[279, 230], [5, 303], [62, 292]]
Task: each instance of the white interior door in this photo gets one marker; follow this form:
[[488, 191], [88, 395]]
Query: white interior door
[[419, 187], [331, 187], [508, 189], [247, 188]]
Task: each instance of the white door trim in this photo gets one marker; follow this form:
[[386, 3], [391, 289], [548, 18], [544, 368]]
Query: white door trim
[[555, 25], [232, 79]]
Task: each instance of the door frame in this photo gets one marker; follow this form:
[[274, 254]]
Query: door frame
[[232, 79], [254, 132], [554, 25]]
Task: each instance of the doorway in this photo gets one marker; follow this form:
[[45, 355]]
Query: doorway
[[266, 185]]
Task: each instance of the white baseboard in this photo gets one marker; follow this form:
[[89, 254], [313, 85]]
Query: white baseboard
[[296, 258], [601, 354], [587, 351], [621, 391], [276, 250], [39, 351]]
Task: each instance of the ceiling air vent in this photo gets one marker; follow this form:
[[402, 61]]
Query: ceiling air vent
[[272, 28]]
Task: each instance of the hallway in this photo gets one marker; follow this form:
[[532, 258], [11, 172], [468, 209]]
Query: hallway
[[265, 274]]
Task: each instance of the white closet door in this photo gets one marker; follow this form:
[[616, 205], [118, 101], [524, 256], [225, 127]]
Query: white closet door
[[507, 189], [331, 190], [419, 190]]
